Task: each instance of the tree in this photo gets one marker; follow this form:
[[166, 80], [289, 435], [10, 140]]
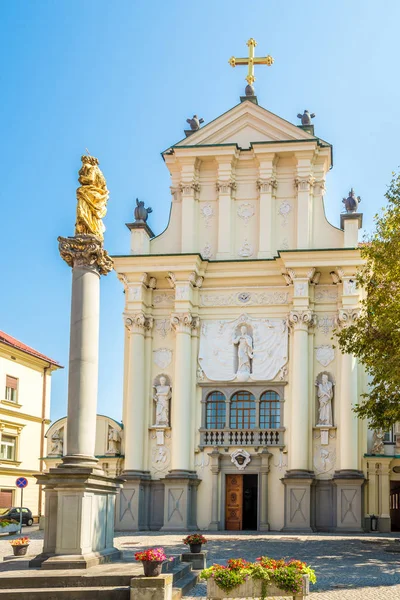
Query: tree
[[374, 338]]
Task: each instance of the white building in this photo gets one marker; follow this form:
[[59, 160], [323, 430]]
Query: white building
[[237, 406], [25, 386]]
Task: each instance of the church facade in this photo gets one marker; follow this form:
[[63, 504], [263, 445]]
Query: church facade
[[237, 401]]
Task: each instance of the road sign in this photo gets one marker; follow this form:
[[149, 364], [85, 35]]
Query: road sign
[[21, 482]]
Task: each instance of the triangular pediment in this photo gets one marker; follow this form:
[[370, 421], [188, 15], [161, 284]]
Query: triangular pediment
[[244, 124]]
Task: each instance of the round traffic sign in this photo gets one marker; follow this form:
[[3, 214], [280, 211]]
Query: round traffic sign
[[21, 482]]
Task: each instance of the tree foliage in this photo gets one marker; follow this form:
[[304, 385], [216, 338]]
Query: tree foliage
[[375, 336]]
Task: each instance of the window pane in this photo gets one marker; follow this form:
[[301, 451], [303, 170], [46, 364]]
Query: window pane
[[270, 411], [215, 411], [7, 447], [243, 411]]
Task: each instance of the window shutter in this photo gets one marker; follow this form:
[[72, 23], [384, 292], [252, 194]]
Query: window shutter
[[11, 382]]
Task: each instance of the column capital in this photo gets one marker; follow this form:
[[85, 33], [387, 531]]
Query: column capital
[[226, 187], [304, 184], [85, 250], [190, 188], [184, 322], [319, 187], [346, 317], [138, 323], [301, 319], [267, 185]]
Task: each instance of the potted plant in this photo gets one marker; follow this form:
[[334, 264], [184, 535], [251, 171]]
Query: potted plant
[[265, 577], [195, 541], [152, 560], [20, 546], [8, 526]]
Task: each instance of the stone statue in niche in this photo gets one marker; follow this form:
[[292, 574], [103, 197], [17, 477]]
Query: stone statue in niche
[[378, 445], [57, 443], [162, 397], [244, 342], [113, 441], [325, 397]]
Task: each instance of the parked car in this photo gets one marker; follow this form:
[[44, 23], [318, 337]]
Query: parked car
[[14, 513]]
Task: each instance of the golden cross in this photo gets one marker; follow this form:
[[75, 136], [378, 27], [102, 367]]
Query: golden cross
[[251, 61]]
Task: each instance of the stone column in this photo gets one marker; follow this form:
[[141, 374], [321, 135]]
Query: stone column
[[384, 521], [132, 505], [349, 479], [80, 499], [264, 470], [298, 478], [181, 483], [181, 403], [215, 469]]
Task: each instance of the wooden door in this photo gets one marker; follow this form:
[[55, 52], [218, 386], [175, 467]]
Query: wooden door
[[234, 502]]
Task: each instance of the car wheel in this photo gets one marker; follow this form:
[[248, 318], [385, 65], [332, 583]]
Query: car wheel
[[30, 522]]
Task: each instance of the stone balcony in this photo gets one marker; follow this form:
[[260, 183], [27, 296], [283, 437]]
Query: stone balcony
[[241, 437]]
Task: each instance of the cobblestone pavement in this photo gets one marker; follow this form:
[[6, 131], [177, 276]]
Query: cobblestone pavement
[[348, 567]]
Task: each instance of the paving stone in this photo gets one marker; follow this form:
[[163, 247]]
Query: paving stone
[[348, 567]]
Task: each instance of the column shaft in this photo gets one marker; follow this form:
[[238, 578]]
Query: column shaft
[[299, 420], [224, 249], [135, 425], [348, 425], [181, 401], [83, 362]]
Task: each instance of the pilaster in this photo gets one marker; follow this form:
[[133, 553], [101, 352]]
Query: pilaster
[[264, 470], [266, 185], [226, 187], [215, 469], [304, 183], [190, 189]]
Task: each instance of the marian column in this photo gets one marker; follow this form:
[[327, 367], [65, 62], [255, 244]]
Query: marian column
[[80, 499]]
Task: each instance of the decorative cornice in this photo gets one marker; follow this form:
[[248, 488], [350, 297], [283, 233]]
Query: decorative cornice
[[225, 187], [85, 250], [138, 323], [301, 319], [267, 185], [304, 184], [346, 317]]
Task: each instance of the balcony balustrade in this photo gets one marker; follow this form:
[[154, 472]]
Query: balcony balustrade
[[241, 437]]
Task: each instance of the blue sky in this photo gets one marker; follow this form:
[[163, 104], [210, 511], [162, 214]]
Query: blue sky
[[120, 78]]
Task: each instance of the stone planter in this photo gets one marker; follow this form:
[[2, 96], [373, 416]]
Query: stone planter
[[10, 529], [20, 550], [252, 589], [195, 548], [152, 568]]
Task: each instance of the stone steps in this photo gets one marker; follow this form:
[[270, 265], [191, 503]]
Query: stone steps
[[35, 585]]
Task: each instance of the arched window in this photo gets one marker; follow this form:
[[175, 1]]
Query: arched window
[[270, 411], [215, 411], [243, 411]]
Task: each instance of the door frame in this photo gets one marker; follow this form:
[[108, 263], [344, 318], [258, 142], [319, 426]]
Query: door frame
[[227, 468]]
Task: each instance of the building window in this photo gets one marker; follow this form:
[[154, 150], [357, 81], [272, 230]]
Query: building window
[[215, 411], [11, 388], [243, 411], [270, 411], [7, 447]]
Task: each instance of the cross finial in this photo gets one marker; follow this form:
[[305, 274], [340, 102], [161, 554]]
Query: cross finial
[[251, 61]]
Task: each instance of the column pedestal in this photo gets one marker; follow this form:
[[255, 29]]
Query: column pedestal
[[349, 500], [79, 509], [180, 506], [298, 500], [133, 500]]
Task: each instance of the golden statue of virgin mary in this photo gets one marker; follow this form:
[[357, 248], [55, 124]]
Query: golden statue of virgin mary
[[92, 198]]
